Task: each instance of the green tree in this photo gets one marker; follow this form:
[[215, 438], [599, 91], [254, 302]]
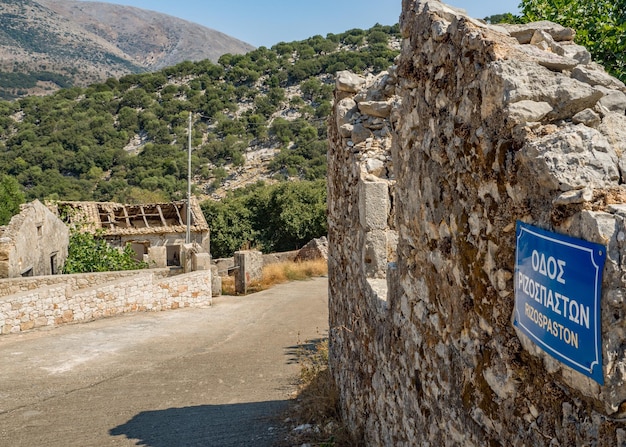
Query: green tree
[[278, 217], [231, 224], [507, 17], [11, 197], [600, 26], [91, 253], [296, 212]]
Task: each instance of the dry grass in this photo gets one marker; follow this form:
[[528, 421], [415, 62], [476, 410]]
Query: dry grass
[[280, 273], [228, 285], [318, 403]]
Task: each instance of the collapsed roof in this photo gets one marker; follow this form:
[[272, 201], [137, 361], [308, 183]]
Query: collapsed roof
[[116, 219]]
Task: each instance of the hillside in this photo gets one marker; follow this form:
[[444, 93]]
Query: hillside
[[259, 137], [50, 44], [261, 115]]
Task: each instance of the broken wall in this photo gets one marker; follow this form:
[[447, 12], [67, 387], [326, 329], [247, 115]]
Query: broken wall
[[430, 167], [34, 243]]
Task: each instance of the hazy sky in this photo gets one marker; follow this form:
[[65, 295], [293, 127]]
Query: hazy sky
[[266, 23]]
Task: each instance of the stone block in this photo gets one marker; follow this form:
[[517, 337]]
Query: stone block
[[315, 249], [216, 282], [185, 257], [373, 204], [201, 261], [347, 81], [28, 325], [375, 254], [249, 268]]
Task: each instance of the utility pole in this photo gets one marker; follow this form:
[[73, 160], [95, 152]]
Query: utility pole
[[188, 235]]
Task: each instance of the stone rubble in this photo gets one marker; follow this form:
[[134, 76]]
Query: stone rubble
[[430, 166], [314, 249]]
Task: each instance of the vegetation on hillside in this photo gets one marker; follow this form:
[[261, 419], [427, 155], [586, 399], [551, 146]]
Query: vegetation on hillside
[[125, 140], [14, 85], [11, 197]]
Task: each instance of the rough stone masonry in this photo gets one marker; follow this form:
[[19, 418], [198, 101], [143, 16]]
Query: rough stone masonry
[[430, 166]]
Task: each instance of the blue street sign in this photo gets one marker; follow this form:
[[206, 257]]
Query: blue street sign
[[558, 282]]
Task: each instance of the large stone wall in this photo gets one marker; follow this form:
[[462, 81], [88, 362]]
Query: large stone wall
[[86, 297], [430, 167]]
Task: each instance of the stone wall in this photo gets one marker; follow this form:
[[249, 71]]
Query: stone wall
[[476, 128], [34, 243], [14, 286], [86, 297], [226, 266]]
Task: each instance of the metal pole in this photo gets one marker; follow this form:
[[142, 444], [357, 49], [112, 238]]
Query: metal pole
[[188, 235]]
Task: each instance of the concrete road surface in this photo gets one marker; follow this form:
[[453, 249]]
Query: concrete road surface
[[217, 376]]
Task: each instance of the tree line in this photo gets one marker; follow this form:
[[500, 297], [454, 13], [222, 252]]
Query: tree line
[[125, 139]]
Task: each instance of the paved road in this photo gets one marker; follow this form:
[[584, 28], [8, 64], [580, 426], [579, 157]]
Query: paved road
[[217, 376]]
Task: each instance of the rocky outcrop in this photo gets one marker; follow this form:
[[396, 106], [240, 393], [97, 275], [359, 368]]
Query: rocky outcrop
[[430, 167]]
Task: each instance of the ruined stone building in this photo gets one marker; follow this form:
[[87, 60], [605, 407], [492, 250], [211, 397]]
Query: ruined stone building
[[478, 130], [34, 243], [156, 232]]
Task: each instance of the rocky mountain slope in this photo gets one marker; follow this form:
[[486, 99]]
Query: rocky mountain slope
[[60, 43]]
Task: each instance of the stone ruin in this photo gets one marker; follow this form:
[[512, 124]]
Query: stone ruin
[[34, 243], [156, 232], [431, 165]]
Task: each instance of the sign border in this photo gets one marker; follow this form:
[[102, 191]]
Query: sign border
[[546, 235]]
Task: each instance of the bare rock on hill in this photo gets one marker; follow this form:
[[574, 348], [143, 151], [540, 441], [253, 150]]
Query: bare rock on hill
[[63, 43], [152, 39]]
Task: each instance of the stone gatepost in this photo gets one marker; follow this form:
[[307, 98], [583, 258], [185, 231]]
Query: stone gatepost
[[200, 261], [216, 281], [249, 267]]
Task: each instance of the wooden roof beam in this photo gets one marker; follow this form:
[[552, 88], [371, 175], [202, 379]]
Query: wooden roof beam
[[162, 217], [143, 214]]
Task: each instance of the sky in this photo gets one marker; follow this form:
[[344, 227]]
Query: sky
[[265, 23]]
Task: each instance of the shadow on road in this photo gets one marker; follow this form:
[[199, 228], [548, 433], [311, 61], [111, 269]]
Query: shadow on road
[[207, 425], [296, 352]]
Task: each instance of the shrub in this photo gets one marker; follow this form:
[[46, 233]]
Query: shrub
[[90, 253]]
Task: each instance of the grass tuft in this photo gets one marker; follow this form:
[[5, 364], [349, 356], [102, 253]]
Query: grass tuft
[[318, 403]]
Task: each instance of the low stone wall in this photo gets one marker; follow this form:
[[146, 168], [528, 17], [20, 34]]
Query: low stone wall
[[69, 301], [275, 258], [12, 286]]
